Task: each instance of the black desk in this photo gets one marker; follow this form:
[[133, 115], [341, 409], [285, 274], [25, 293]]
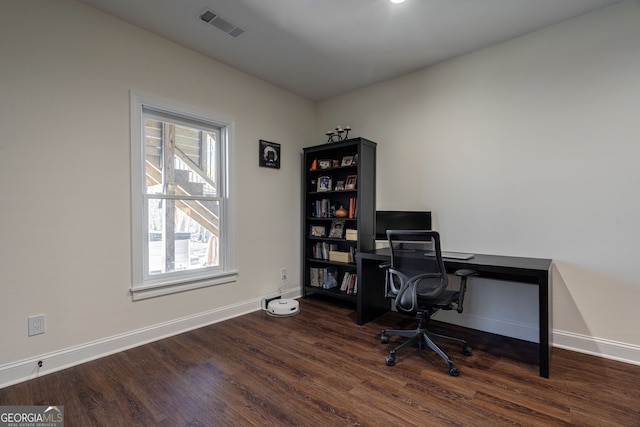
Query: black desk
[[371, 301]]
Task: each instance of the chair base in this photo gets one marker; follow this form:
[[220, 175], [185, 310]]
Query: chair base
[[419, 337]]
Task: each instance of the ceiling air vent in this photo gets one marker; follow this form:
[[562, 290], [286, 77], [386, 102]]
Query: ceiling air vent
[[211, 17]]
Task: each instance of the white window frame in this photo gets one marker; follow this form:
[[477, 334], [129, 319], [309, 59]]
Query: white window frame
[[145, 286]]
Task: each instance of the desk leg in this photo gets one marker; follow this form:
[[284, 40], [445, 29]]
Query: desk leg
[[371, 301], [544, 301]]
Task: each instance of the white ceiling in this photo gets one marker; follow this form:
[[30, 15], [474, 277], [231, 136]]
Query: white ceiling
[[323, 48]]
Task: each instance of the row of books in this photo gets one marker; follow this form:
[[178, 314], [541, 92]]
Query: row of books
[[321, 250], [325, 208], [329, 252], [326, 278], [353, 207], [349, 283]]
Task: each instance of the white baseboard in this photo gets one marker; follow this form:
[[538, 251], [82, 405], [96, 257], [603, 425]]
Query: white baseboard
[[23, 370], [607, 349]]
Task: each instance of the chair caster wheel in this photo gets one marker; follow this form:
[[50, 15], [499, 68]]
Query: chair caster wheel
[[384, 339], [390, 360], [453, 371], [466, 350]]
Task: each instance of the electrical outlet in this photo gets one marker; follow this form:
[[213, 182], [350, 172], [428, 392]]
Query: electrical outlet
[[283, 274], [36, 325]]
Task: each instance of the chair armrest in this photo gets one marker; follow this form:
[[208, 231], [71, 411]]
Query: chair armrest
[[463, 273]]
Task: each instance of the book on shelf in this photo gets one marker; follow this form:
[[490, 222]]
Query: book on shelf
[[344, 285], [314, 277], [352, 286], [349, 283], [353, 207]]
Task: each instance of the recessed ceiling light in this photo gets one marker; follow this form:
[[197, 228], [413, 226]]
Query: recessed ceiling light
[[397, 1]]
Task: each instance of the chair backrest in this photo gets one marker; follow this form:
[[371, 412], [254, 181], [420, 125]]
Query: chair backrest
[[416, 268]]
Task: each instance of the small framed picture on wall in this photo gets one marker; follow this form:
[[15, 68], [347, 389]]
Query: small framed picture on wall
[[269, 154]]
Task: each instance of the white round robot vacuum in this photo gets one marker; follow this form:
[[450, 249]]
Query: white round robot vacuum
[[283, 307]]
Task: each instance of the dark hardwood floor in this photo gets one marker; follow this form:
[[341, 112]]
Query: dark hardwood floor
[[319, 368]]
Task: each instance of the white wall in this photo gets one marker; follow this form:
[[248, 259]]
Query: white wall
[[526, 148], [65, 225]]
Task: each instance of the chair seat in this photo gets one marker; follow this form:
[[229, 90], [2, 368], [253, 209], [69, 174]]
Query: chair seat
[[445, 300]]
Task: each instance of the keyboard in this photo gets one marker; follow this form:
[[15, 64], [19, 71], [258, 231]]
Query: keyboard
[[456, 255], [453, 255]]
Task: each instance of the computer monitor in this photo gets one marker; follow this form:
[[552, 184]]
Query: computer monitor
[[401, 220]]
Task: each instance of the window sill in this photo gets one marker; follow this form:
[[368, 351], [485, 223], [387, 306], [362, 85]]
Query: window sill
[[152, 291]]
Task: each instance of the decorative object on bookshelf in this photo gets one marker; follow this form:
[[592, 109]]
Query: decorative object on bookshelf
[[350, 183], [339, 186], [339, 256], [324, 183], [269, 155], [314, 165], [341, 212], [351, 234], [336, 136]]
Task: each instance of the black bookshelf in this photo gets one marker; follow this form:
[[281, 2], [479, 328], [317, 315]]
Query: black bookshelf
[[329, 265]]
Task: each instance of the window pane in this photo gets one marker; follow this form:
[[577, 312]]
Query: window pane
[[183, 235], [180, 160]]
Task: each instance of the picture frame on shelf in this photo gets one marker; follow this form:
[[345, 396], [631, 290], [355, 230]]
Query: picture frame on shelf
[[317, 231], [324, 164], [350, 183], [347, 161], [337, 229], [324, 183], [339, 186]]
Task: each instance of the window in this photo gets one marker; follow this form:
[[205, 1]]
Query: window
[[183, 231]]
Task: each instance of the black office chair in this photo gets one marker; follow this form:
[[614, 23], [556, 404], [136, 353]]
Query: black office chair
[[417, 280]]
